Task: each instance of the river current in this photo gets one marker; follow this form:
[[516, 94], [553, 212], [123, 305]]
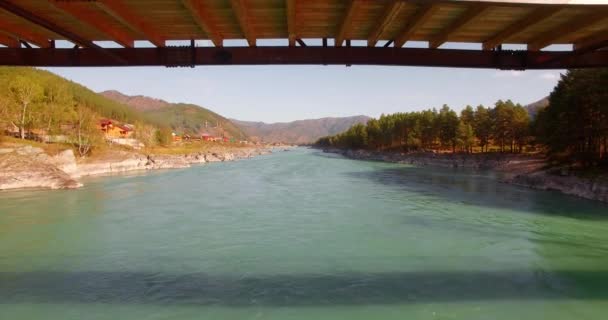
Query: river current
[[302, 235]]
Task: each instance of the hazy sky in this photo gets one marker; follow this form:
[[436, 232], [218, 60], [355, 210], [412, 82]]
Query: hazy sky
[[286, 93]]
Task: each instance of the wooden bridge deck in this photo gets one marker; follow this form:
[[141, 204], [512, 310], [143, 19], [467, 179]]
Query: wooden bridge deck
[[34, 25]]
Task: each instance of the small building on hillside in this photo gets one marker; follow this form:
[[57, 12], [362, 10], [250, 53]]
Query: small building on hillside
[[105, 125], [206, 137], [125, 130], [175, 137], [116, 130]]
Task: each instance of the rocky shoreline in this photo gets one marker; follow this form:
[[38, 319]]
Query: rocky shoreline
[[522, 170], [25, 166]]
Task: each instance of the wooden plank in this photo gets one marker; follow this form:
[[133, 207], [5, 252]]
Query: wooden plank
[[81, 12], [202, 17], [9, 41], [537, 16], [565, 29], [390, 12], [470, 14], [422, 15], [290, 6], [347, 22], [240, 10], [132, 20], [25, 34]]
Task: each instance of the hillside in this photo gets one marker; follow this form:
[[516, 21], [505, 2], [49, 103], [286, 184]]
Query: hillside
[[301, 131], [140, 103], [52, 84], [533, 108], [181, 117]]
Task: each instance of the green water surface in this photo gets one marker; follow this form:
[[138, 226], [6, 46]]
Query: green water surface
[[302, 235]]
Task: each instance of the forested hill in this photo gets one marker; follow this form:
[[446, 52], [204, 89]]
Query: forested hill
[[301, 131], [181, 117], [43, 84]]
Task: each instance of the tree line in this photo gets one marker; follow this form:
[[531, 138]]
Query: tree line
[[573, 128], [575, 125], [506, 124]]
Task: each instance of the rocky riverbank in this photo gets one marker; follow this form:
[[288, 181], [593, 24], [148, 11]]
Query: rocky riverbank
[[24, 166], [523, 170]]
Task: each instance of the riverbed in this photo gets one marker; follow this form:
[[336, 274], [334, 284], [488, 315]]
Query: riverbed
[[302, 235]]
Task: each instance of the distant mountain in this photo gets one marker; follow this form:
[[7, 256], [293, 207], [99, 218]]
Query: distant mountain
[[140, 103], [533, 108], [301, 131], [181, 117]]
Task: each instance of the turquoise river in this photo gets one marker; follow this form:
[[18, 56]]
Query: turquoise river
[[302, 235]]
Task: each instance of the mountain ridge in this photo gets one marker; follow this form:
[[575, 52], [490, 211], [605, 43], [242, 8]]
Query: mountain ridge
[[298, 131], [183, 118]]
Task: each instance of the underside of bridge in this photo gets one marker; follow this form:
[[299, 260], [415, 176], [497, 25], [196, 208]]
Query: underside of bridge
[[344, 32]]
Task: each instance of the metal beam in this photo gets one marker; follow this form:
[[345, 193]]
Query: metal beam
[[78, 40], [203, 19], [240, 10], [421, 16], [84, 14], [390, 12], [187, 56], [126, 16], [290, 6], [24, 34], [9, 41], [473, 12], [595, 41], [347, 22], [537, 16], [566, 29]]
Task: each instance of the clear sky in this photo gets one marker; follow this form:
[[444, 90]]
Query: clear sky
[[287, 93]]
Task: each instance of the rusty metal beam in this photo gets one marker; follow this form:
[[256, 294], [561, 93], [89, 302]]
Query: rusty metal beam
[[9, 41], [471, 14], [83, 13], [241, 12], [347, 22], [23, 34], [130, 19], [422, 15], [48, 25], [598, 40], [537, 16], [187, 56], [390, 13], [202, 17], [570, 27], [292, 34]]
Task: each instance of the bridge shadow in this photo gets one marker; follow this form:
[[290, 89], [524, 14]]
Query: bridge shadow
[[299, 290], [483, 189]]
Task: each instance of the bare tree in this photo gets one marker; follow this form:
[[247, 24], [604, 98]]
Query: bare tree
[[85, 133], [25, 92], [58, 104]]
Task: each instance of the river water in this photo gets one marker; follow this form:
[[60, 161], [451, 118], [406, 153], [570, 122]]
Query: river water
[[302, 235]]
